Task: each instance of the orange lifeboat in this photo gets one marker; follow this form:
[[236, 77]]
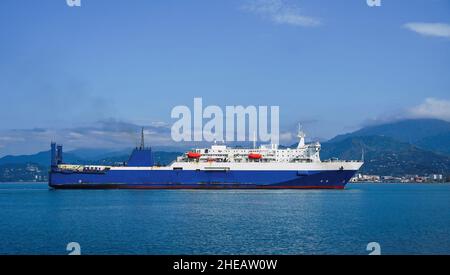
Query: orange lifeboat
[[254, 156], [193, 155]]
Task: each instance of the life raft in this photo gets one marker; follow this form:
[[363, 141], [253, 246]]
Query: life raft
[[254, 156], [193, 155]]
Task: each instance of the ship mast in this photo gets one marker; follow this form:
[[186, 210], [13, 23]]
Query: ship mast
[[301, 135], [142, 139]]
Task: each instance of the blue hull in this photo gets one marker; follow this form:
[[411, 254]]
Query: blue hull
[[187, 179]]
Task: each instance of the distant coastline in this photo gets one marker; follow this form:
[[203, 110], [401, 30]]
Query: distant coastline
[[433, 178], [351, 182]]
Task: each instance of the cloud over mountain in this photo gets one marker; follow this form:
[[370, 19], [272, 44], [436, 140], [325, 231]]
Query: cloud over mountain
[[431, 108]]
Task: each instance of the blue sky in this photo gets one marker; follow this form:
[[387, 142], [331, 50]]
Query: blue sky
[[114, 64]]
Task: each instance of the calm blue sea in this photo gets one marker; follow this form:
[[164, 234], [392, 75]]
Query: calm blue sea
[[402, 218]]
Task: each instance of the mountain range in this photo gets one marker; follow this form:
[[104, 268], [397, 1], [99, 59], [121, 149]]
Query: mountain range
[[387, 156], [428, 134], [414, 147], [80, 157], [406, 147]]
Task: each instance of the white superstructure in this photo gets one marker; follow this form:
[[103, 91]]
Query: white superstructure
[[266, 157], [305, 157]]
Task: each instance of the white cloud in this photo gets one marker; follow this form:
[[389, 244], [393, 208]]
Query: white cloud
[[429, 108], [108, 134], [429, 29], [75, 135], [278, 11], [432, 108], [286, 137]]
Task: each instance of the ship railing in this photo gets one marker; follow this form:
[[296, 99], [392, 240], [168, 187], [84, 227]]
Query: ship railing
[[303, 160], [340, 160], [82, 168]]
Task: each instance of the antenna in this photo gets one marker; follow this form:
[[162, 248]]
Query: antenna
[[142, 138], [362, 153]]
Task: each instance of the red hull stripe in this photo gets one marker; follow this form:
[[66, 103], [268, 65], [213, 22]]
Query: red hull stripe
[[220, 187], [113, 186]]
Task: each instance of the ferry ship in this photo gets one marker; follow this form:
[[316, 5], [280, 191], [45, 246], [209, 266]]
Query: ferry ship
[[217, 167]]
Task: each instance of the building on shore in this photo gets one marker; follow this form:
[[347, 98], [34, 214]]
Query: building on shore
[[432, 178]]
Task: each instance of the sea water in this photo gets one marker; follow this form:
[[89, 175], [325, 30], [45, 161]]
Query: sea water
[[401, 218]]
